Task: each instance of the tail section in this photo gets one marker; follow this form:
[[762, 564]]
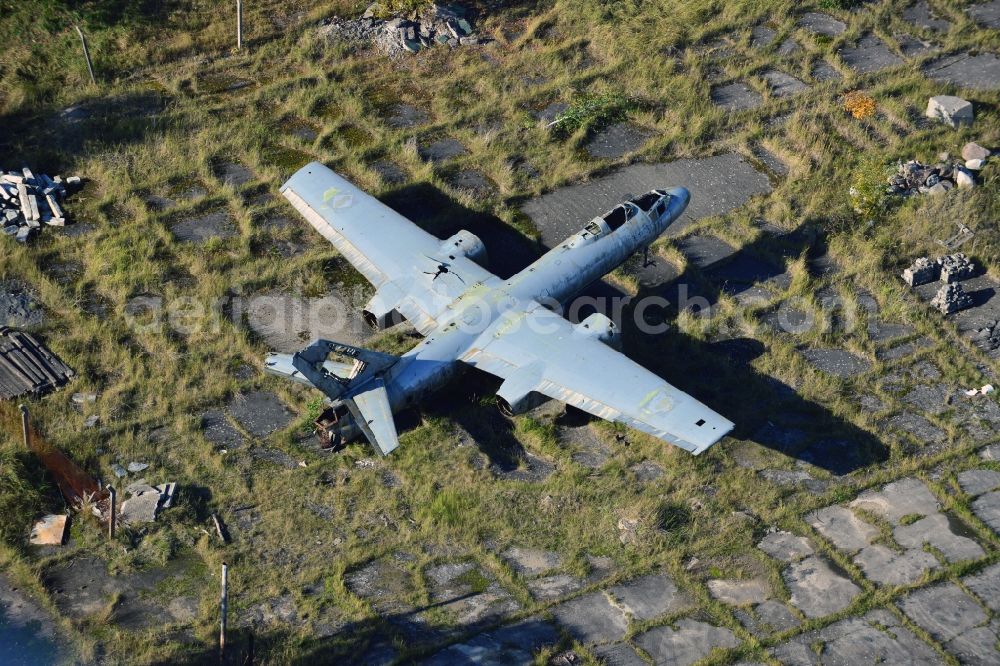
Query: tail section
[[354, 379]]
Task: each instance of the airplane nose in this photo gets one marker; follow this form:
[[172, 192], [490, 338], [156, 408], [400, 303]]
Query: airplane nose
[[681, 195]]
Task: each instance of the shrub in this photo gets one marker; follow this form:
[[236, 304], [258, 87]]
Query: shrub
[[868, 189], [860, 105], [594, 110], [20, 499]]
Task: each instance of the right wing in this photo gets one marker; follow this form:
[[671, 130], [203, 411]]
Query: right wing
[[538, 350], [413, 271]]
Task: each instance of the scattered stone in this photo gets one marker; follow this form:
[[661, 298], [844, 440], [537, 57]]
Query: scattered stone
[[991, 452], [767, 618], [869, 55], [913, 178], [785, 477], [911, 46], [118, 470], [616, 140], [686, 642], [906, 497], [140, 508], [987, 508], [649, 597], [844, 529], [824, 71], [592, 618], [816, 589], [761, 36], [137, 466], [788, 47], [49, 531], [740, 592], [92, 421], [836, 362], [944, 611], [978, 72], [435, 24], [736, 97], [951, 298], [28, 200], [786, 546], [975, 165], [964, 179], [822, 24]]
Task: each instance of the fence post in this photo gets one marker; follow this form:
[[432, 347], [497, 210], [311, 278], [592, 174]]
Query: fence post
[[225, 608], [86, 54], [239, 25], [25, 426], [111, 520]]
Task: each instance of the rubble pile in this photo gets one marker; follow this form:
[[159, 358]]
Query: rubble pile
[[951, 298], [987, 338], [948, 268], [27, 201], [975, 156], [916, 178], [437, 24], [27, 367], [146, 501]]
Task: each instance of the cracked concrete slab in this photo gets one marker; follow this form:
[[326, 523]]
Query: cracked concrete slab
[[782, 84], [592, 618], [975, 482], [837, 362], [987, 508], [870, 54], [786, 546], [979, 72], [686, 642], [261, 413], [740, 592], [768, 618], [878, 637], [885, 566], [817, 589], [736, 96], [905, 497], [532, 561], [554, 587], [944, 611], [822, 24], [920, 15], [650, 596], [936, 530], [617, 140], [468, 593], [986, 586], [843, 528]]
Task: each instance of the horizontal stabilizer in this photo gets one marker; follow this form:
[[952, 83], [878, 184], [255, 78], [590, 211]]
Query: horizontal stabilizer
[[373, 414], [280, 365]]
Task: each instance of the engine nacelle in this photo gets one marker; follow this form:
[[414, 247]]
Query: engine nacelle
[[512, 406], [601, 328], [466, 244], [380, 315]]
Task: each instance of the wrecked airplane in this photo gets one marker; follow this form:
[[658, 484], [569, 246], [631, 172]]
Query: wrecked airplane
[[470, 317]]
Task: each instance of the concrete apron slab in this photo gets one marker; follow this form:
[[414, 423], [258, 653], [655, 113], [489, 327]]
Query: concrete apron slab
[[717, 184]]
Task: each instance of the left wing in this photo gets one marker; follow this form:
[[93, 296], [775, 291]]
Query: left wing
[[413, 272], [538, 350]]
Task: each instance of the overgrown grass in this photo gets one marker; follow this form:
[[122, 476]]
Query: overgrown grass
[[598, 57]]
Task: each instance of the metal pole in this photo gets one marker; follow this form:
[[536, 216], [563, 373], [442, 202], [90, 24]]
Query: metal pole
[[25, 426], [86, 54], [225, 608], [111, 520], [239, 25]]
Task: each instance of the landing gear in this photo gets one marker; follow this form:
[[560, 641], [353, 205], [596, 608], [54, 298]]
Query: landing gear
[[645, 256], [326, 431]]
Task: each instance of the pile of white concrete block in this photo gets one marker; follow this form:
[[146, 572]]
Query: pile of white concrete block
[[27, 201]]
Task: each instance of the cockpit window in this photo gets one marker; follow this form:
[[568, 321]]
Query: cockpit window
[[619, 216], [647, 201], [593, 228]]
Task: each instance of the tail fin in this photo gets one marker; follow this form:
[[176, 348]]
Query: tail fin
[[373, 414]]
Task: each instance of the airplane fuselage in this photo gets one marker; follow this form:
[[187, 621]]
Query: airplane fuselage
[[555, 278]]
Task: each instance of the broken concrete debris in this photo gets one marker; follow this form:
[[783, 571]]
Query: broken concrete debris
[[28, 200], [916, 178], [146, 501], [951, 298], [951, 110], [49, 531], [437, 24], [947, 268], [27, 366]]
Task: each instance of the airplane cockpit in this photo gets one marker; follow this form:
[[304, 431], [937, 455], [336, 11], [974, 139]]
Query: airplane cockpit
[[653, 203]]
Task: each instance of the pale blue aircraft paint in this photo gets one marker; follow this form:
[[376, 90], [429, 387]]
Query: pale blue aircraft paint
[[471, 317]]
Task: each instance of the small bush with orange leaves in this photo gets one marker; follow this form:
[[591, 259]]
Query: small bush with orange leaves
[[860, 105]]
